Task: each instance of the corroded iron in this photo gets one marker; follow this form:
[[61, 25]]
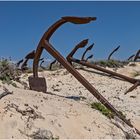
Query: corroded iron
[[88, 49], [48, 34], [79, 45], [24, 61], [41, 63], [53, 62], [89, 57], [44, 44], [70, 59], [38, 85], [136, 84], [109, 57], [30, 55]]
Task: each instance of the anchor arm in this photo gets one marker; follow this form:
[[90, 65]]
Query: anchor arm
[[89, 48], [47, 35], [109, 57], [82, 44], [91, 56]]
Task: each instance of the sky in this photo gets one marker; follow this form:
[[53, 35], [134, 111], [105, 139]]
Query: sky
[[22, 25]]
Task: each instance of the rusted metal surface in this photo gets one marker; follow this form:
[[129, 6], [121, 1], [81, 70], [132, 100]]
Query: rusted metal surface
[[129, 79], [41, 63], [136, 82], [133, 87], [109, 57], [44, 44], [24, 61], [30, 55], [53, 62], [51, 30], [82, 44], [89, 57], [38, 84], [88, 49]]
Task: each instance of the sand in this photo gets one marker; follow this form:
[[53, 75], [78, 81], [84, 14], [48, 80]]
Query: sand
[[65, 109]]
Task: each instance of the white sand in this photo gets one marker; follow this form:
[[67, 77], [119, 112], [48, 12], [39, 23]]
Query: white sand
[[64, 110]]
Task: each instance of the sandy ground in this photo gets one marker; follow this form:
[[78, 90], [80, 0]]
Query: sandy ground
[[65, 110]]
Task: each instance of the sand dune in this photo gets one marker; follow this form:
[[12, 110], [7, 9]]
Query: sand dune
[[65, 110]]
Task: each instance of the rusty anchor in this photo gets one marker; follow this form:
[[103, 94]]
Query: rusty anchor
[[44, 44], [34, 79], [24, 61], [41, 63], [88, 49], [27, 58], [135, 82], [116, 49], [89, 57], [54, 62]]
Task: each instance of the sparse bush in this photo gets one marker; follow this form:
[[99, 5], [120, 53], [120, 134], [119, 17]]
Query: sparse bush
[[14, 84], [8, 72], [136, 73], [55, 66], [111, 63], [105, 111], [102, 109], [132, 64]]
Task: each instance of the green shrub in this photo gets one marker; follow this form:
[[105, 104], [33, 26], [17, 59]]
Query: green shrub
[[136, 73], [102, 109], [105, 111], [8, 71], [111, 63]]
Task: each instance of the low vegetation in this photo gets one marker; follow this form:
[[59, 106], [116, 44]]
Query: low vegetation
[[136, 73], [105, 111], [111, 63], [8, 72], [98, 106]]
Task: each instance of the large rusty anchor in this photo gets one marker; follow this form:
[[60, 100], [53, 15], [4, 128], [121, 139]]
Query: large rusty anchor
[[39, 83]]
